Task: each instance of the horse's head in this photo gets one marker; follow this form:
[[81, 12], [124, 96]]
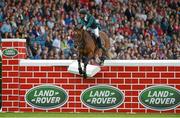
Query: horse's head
[[78, 36]]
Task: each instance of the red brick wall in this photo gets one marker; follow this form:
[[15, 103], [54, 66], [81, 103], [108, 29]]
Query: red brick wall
[[131, 80]]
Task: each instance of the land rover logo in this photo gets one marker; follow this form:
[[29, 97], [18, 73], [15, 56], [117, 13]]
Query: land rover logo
[[160, 97], [46, 97], [10, 52], [102, 97]]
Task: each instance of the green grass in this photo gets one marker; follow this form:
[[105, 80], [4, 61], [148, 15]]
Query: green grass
[[85, 115]]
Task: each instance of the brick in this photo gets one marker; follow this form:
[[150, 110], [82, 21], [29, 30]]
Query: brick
[[81, 86], [54, 74], [7, 68], [52, 110], [25, 110], [16, 68], [13, 62], [13, 109], [39, 74], [15, 79], [138, 87], [4, 86], [13, 86], [22, 92], [68, 110], [153, 74], [59, 80], [124, 75], [110, 74], [74, 93], [124, 110], [167, 75], [105, 68], [21, 68], [119, 68], [40, 110], [50, 81], [68, 86], [134, 99], [15, 91], [145, 81], [171, 68], [7, 104], [124, 87], [103, 81], [4, 80], [60, 68], [110, 111], [74, 80], [128, 81], [26, 86], [66, 74], [130, 68], [117, 80], [127, 99], [13, 97], [32, 80], [7, 44], [174, 81], [138, 74], [26, 74], [33, 68], [4, 98], [4, 74], [177, 68], [139, 110], [81, 110], [46, 68], [160, 68], [100, 74], [7, 92], [131, 93], [145, 68], [13, 74], [89, 81], [4, 62], [177, 74], [160, 81]]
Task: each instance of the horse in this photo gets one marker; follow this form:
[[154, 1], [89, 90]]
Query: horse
[[87, 48]]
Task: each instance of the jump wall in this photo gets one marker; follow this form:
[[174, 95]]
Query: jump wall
[[130, 76]]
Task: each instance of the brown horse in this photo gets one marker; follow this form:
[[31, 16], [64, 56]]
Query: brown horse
[[88, 49]]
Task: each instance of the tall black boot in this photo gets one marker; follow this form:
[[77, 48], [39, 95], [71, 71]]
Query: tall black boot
[[100, 44]]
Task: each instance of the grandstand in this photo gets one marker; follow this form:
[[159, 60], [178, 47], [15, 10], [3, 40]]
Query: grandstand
[[137, 29]]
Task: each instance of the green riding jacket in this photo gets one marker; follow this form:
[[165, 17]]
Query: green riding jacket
[[89, 22]]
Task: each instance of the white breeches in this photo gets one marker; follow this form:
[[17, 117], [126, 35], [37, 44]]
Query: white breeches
[[96, 31]]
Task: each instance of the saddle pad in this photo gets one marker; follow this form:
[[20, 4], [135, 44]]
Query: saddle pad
[[91, 70]]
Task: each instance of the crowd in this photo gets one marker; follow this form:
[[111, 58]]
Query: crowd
[[138, 29]]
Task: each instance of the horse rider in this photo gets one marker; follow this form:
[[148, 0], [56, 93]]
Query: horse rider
[[89, 23]]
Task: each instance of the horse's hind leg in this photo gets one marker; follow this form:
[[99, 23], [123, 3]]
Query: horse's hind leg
[[79, 66]]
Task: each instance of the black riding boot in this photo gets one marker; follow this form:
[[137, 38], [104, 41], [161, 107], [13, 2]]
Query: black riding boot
[[100, 44]]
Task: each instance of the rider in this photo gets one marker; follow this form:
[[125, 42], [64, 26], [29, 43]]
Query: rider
[[89, 22]]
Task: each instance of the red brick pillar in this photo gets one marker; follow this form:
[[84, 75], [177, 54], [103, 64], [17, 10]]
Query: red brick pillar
[[13, 50]]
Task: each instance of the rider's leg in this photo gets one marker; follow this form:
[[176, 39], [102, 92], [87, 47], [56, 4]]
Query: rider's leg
[[96, 32]]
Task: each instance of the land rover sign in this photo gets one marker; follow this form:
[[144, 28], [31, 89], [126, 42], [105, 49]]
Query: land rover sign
[[160, 97], [102, 97], [10, 52], [46, 97]]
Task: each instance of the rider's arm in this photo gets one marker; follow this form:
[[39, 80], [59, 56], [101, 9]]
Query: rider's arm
[[91, 20]]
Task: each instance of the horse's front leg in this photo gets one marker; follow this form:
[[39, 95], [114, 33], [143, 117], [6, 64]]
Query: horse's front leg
[[85, 61], [79, 66]]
